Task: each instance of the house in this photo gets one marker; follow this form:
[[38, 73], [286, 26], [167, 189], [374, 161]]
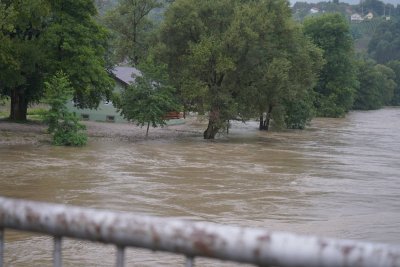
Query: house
[[106, 111], [369, 16], [314, 10], [356, 17]]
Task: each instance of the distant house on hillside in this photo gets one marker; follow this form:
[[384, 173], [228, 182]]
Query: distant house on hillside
[[106, 111], [356, 17], [314, 10], [369, 16]]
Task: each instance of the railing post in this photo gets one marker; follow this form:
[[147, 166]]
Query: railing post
[[189, 261], [120, 256], [57, 261], [1, 246]]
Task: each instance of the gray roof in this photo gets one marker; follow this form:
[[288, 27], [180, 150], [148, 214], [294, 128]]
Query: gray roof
[[126, 74]]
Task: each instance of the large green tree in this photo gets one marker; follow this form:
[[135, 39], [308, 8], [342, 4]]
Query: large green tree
[[226, 57], [76, 44], [22, 61], [200, 54], [338, 82], [46, 36], [283, 63]]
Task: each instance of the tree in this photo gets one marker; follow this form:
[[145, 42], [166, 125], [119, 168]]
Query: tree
[[226, 57], [48, 36], [63, 125], [198, 54], [337, 83], [22, 68], [385, 43], [131, 26], [76, 44], [395, 66], [7, 63], [149, 99], [375, 6]]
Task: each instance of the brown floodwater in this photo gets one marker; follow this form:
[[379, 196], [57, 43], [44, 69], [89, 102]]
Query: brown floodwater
[[338, 178]]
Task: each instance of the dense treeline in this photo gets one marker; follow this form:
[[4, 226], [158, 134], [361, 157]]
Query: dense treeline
[[230, 59], [377, 49]]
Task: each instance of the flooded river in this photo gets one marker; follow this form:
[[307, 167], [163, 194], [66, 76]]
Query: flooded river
[[339, 178]]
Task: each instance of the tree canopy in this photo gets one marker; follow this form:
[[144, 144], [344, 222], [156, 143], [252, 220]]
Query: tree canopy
[[147, 101], [377, 86], [42, 37], [337, 80], [385, 43], [131, 26], [234, 58]]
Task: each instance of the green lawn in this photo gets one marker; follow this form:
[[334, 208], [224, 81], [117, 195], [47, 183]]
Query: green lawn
[[34, 113]]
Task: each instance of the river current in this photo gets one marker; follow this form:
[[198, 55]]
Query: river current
[[338, 178]]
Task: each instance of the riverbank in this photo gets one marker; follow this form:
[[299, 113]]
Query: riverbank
[[34, 132]]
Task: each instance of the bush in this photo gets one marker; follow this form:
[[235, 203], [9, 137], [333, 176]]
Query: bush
[[63, 125]]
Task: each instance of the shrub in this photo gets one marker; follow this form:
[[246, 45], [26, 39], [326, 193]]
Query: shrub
[[63, 125]]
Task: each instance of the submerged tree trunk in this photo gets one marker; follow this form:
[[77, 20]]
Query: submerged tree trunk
[[213, 125], [147, 131], [19, 105], [265, 120]]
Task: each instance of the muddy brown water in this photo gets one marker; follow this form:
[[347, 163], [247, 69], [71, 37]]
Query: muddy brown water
[[339, 178]]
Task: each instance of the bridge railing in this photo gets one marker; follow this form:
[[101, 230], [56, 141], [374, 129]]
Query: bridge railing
[[191, 239]]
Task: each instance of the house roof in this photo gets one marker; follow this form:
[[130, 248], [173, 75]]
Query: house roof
[[126, 74]]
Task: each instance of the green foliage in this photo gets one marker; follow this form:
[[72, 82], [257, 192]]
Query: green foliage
[[131, 27], [395, 66], [21, 77], [376, 86], [63, 125], [375, 6], [38, 38], [337, 83], [147, 101], [298, 113], [229, 58], [385, 43], [76, 44]]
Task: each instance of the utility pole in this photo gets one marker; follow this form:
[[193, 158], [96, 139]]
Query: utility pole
[[362, 8]]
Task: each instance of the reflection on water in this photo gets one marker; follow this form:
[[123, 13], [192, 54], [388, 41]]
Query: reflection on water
[[338, 178]]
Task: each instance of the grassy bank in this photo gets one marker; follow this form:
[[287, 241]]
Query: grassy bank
[[35, 112]]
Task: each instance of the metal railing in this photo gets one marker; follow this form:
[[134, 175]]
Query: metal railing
[[192, 239]]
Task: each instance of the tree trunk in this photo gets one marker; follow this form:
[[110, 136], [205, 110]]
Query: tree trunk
[[213, 127], [265, 121], [262, 123], [19, 105], [211, 131], [147, 131]]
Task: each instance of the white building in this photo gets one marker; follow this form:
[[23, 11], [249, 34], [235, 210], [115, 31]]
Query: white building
[[356, 17]]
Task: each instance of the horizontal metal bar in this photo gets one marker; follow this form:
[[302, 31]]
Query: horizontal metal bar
[[240, 244]]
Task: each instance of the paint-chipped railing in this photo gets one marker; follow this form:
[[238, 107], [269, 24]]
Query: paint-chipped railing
[[192, 239]]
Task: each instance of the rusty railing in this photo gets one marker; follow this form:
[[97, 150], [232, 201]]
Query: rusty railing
[[192, 239]]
